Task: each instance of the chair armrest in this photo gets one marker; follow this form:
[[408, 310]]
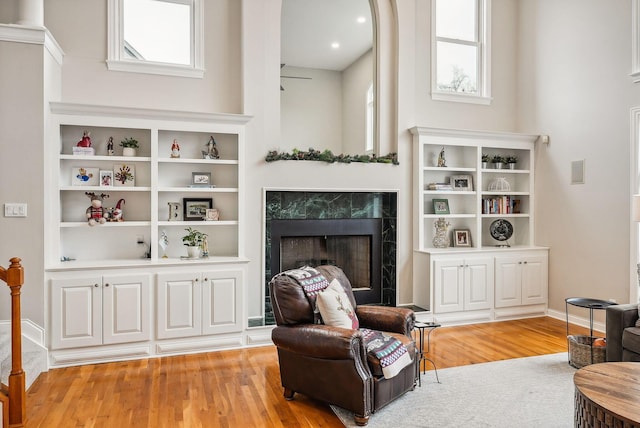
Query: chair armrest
[[386, 318], [319, 341], [619, 317]]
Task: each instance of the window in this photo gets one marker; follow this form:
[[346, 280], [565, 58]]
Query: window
[[156, 37], [460, 50], [370, 122]]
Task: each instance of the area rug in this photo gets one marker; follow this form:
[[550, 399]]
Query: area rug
[[522, 392]]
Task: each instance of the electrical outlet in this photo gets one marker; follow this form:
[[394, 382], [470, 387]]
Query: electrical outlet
[[15, 210]]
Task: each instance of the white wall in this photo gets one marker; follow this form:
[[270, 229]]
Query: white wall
[[574, 84]]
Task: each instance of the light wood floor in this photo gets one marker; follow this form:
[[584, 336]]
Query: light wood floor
[[241, 388]]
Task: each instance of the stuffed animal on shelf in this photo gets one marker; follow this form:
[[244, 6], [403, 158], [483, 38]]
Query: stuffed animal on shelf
[[96, 213]]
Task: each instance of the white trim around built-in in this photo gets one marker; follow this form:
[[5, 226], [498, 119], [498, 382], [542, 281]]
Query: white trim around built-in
[[634, 227]]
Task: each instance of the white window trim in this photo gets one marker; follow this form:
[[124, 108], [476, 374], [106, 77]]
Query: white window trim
[[117, 61], [635, 41], [484, 53]]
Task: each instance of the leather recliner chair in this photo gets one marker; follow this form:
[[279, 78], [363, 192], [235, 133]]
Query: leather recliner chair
[[331, 363]]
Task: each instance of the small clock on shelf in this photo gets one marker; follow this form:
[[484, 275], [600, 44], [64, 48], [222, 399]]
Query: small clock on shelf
[[501, 230]]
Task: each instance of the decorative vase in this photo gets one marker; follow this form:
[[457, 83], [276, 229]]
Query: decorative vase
[[512, 165], [128, 151], [484, 165], [441, 237], [193, 252], [497, 165]]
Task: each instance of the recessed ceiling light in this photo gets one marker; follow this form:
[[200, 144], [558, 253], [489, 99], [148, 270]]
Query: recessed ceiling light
[[361, 20], [335, 45]]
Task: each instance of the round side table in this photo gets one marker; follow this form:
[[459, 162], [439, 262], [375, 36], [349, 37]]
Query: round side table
[[422, 327]]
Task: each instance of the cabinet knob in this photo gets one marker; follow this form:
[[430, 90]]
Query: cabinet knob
[[107, 284], [96, 285], [461, 266], [525, 262], [519, 263], [196, 280], [206, 279]]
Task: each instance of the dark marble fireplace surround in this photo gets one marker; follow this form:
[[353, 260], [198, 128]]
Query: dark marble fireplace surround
[[309, 205]]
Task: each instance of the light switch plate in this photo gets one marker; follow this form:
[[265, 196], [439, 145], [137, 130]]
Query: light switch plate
[[15, 210]]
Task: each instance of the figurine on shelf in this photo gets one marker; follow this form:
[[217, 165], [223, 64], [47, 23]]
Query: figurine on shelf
[[175, 149], [86, 140], [442, 162], [116, 214], [204, 248], [164, 243], [441, 236], [110, 146], [96, 213], [212, 150]]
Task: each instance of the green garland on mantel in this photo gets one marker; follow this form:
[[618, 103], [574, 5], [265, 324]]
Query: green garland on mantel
[[329, 157]]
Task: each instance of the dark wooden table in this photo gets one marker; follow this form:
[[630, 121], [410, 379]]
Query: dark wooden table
[[607, 395]]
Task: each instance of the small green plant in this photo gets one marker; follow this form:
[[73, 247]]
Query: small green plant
[[129, 142], [511, 159], [485, 158], [193, 238], [497, 159]]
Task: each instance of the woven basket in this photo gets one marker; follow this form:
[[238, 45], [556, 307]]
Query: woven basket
[[581, 351]]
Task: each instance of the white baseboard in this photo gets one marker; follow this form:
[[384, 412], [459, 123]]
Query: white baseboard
[[581, 321], [30, 330]]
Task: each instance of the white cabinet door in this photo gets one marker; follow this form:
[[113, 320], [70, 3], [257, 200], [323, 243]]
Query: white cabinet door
[[478, 283], [534, 280], [448, 284], [126, 301], [221, 301], [508, 281], [76, 312], [179, 305], [521, 280]]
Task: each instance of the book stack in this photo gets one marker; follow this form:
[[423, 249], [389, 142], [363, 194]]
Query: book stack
[[439, 186], [500, 205], [84, 151]]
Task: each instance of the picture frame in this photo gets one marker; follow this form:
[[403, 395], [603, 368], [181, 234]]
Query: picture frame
[[212, 214], [195, 209], [200, 179], [441, 206], [462, 182], [106, 178], [461, 238], [83, 176], [124, 175]]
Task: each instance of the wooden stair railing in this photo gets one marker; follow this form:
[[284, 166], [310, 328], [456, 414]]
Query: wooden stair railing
[[13, 397]]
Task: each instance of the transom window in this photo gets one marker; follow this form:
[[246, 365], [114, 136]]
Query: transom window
[[460, 59], [156, 36]]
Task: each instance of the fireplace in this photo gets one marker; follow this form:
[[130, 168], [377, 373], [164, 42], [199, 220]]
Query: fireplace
[[354, 245], [334, 206]]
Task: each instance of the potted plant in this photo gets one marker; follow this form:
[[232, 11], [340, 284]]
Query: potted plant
[[497, 161], [193, 239], [485, 160], [511, 161], [129, 146]]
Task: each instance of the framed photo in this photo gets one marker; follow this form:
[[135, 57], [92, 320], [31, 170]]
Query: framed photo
[[462, 182], [82, 176], [124, 175], [195, 209], [106, 178], [441, 206], [200, 179], [212, 214], [461, 238]]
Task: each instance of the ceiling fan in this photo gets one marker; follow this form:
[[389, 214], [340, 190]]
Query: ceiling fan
[[290, 77]]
